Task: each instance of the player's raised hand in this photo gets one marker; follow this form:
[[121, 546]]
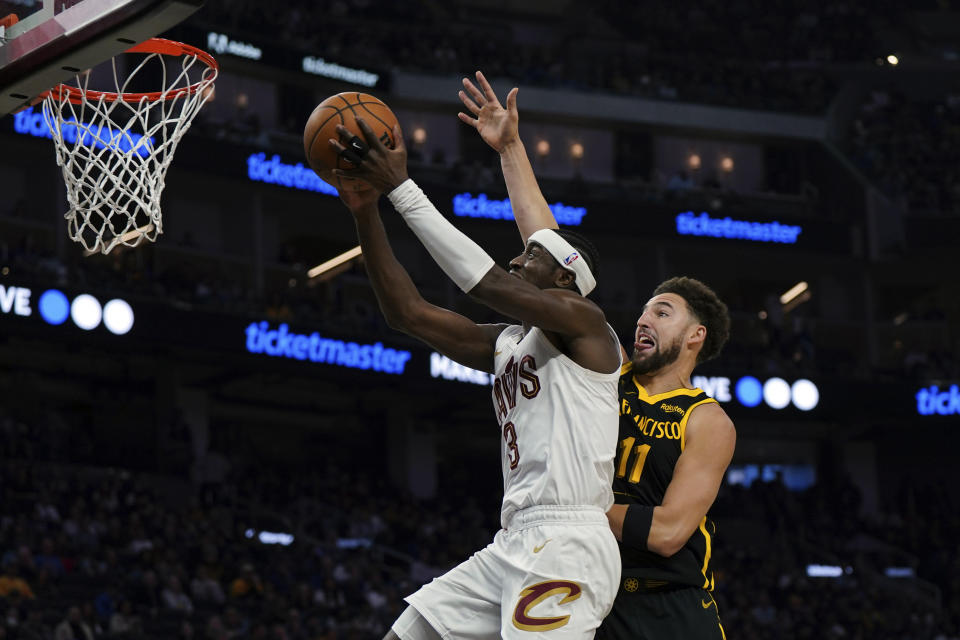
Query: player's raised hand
[[378, 165], [495, 124]]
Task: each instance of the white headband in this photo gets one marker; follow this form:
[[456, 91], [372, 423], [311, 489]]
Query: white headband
[[568, 257]]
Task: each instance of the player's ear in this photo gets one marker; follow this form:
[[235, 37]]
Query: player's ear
[[564, 278], [697, 335]]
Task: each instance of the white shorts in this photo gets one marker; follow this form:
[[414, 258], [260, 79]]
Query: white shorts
[[554, 570]]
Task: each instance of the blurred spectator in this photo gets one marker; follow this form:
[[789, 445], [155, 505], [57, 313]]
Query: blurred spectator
[[73, 627], [247, 584], [123, 622], [206, 589], [174, 597]]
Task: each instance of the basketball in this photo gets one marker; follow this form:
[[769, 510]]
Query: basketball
[[343, 108]]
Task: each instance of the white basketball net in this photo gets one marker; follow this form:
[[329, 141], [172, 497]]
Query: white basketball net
[[115, 152]]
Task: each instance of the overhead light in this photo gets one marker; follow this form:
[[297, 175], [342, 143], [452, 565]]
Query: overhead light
[[419, 135], [576, 151], [543, 148], [892, 59], [333, 263], [726, 163], [693, 161], [793, 292]]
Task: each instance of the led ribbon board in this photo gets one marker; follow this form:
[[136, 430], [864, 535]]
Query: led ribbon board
[[54, 307], [775, 393]]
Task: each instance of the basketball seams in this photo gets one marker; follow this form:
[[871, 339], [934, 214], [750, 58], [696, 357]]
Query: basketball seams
[[323, 124]]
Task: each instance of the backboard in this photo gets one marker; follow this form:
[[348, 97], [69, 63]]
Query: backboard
[[55, 39]]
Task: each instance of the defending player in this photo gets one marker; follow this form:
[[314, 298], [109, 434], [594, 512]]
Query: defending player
[[554, 567], [675, 441]]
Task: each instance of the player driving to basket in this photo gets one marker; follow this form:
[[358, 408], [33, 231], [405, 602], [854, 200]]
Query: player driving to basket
[[554, 567], [675, 442]]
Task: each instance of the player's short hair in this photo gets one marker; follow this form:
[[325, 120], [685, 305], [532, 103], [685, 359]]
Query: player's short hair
[[585, 248], [708, 309]]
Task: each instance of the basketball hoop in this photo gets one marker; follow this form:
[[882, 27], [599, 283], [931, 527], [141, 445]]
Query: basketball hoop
[[114, 147]]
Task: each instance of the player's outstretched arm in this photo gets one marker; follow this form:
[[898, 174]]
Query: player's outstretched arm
[[455, 336], [468, 265], [708, 444], [498, 126]]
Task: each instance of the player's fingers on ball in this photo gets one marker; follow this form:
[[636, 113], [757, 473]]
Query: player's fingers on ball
[[346, 153], [367, 131], [344, 133], [351, 156], [398, 143]]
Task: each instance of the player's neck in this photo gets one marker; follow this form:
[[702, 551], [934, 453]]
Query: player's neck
[[673, 376]]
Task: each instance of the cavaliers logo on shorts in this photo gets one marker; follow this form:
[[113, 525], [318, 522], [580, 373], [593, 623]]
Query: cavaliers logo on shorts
[[537, 593]]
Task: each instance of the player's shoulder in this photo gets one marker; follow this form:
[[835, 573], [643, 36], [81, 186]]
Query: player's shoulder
[[709, 415]]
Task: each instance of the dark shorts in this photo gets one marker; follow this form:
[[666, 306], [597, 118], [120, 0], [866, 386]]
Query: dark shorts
[[677, 614]]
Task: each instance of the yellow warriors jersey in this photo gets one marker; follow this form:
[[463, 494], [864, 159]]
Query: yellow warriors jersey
[[558, 425], [651, 440]]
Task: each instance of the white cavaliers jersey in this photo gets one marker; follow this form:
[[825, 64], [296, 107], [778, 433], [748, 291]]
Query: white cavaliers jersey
[[559, 424]]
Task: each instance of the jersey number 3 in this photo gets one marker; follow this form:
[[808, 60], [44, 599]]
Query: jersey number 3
[[510, 437], [626, 449]]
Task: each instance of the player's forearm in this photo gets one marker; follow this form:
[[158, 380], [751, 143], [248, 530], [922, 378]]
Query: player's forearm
[[462, 259], [657, 529], [670, 530], [529, 206], [395, 291]]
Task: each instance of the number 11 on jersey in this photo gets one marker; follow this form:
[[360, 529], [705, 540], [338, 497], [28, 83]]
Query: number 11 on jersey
[[627, 448]]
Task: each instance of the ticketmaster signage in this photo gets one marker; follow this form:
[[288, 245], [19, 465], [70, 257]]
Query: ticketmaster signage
[[468, 206], [294, 176], [31, 123], [690, 224], [281, 342], [933, 401], [320, 67]]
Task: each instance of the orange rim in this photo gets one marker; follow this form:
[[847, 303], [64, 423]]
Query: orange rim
[[153, 45]]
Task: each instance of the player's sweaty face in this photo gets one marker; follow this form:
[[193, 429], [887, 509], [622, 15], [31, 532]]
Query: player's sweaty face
[[658, 339]]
